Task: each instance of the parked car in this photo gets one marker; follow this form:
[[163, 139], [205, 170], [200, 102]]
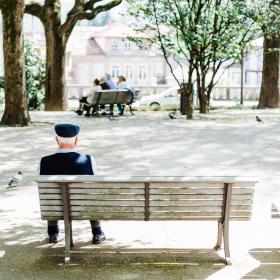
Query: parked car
[[169, 97]]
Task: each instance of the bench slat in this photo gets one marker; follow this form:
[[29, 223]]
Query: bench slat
[[197, 213], [108, 185], [162, 191], [105, 197], [108, 216], [124, 202], [199, 185], [206, 191], [197, 196], [106, 191], [49, 196], [194, 218], [241, 206], [201, 208], [52, 217], [186, 203], [49, 190], [57, 208], [51, 202]]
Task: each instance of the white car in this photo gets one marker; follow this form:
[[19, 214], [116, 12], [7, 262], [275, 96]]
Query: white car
[[169, 97]]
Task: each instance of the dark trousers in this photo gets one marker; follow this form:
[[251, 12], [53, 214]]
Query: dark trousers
[[54, 229], [111, 107], [84, 105]]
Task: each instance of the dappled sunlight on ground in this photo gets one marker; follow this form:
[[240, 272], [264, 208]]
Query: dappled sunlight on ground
[[222, 143]]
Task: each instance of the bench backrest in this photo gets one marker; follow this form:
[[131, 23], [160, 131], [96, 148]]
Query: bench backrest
[[112, 97], [145, 198]]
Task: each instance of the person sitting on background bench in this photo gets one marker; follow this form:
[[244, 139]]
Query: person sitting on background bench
[[122, 84], [104, 85], [97, 87], [110, 82], [66, 161]]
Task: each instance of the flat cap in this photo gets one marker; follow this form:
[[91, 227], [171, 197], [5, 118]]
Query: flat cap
[[66, 130]]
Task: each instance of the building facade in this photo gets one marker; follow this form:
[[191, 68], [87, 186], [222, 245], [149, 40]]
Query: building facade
[[94, 51]]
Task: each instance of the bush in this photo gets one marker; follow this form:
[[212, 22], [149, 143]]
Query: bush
[[35, 73]]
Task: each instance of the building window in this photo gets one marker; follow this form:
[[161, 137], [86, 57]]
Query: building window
[[114, 46], [142, 72], [127, 45], [115, 71], [128, 72]]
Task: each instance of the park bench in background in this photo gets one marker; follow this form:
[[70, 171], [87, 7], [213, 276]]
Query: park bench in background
[[111, 97], [275, 210], [146, 198]]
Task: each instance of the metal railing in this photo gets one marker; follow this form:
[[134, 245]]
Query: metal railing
[[218, 93]]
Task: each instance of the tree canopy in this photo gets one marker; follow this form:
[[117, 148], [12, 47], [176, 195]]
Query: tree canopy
[[203, 34]]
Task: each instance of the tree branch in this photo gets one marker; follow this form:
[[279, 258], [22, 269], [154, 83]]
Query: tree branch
[[89, 4], [80, 12], [35, 9], [78, 6]]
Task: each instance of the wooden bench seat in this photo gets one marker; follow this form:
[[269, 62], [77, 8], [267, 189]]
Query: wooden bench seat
[[111, 97], [146, 198]]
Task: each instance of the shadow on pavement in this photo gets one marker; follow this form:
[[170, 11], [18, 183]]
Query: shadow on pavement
[[269, 266]]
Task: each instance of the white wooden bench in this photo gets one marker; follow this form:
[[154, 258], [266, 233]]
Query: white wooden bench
[[146, 198]]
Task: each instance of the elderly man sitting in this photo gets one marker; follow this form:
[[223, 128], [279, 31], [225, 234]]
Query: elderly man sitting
[[66, 161]]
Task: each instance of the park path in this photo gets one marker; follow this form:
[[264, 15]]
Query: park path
[[223, 143]]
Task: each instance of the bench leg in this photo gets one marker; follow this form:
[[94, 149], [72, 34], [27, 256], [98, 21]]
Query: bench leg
[[67, 230], [219, 237], [226, 241], [71, 236], [130, 108]]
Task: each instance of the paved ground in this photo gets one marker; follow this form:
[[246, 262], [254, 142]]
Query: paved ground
[[222, 143]]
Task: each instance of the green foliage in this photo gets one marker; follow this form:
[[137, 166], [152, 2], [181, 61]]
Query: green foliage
[[1, 81], [264, 13], [35, 76], [204, 34]]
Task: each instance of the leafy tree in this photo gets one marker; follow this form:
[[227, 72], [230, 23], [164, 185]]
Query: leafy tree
[[16, 111], [196, 36], [266, 14], [57, 35]]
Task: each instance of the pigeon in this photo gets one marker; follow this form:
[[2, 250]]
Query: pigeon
[[172, 115], [111, 118], [15, 180], [258, 119]]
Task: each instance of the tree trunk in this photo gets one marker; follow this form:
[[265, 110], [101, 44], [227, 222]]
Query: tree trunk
[[186, 100], [269, 95], [202, 97], [189, 94], [56, 97], [203, 103], [16, 109], [242, 79]]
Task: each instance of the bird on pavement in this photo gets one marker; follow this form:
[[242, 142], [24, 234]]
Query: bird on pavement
[[111, 118], [172, 115], [258, 119], [15, 180]]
